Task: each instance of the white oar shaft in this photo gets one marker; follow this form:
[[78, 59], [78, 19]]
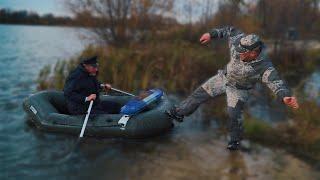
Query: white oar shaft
[[86, 120], [117, 90]]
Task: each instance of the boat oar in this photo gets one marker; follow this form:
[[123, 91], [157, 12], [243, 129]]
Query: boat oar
[[123, 92], [86, 120], [119, 91], [76, 147]]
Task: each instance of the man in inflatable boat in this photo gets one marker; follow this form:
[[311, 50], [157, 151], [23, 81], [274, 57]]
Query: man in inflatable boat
[[82, 86], [248, 65]]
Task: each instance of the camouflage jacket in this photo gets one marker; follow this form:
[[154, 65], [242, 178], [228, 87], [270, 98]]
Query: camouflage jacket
[[244, 75]]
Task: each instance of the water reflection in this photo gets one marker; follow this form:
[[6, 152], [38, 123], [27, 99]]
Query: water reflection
[[192, 150], [312, 88]]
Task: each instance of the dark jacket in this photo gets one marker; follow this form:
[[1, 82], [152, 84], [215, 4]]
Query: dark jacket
[[79, 85]]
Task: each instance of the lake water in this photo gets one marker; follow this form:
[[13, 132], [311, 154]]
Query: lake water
[[194, 149]]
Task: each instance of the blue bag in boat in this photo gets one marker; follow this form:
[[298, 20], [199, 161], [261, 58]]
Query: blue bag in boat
[[139, 104]]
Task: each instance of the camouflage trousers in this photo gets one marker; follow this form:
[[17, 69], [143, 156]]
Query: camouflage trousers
[[215, 86]]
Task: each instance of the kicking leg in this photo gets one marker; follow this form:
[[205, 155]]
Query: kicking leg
[[213, 87]]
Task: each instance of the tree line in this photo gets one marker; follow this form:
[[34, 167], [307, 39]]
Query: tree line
[[121, 21], [8, 16]]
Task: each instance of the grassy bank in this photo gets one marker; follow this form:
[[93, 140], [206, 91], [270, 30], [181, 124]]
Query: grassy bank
[[299, 135], [177, 67]]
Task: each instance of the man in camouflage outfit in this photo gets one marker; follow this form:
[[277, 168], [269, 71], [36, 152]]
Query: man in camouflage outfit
[[248, 65]]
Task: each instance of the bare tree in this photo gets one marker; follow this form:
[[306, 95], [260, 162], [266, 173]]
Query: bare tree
[[207, 11], [279, 15], [120, 21]]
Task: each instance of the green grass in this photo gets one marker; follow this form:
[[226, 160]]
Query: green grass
[[177, 67], [300, 134]]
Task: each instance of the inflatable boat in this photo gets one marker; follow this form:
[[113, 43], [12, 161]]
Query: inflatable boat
[[48, 112]]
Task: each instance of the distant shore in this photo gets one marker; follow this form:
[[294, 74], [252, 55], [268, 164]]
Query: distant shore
[[50, 25], [24, 17]]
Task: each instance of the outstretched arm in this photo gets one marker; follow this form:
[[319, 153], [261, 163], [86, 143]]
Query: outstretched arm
[[220, 33], [271, 78]]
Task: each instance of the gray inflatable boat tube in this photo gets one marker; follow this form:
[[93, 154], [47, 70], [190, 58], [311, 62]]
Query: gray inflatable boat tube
[[48, 111]]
